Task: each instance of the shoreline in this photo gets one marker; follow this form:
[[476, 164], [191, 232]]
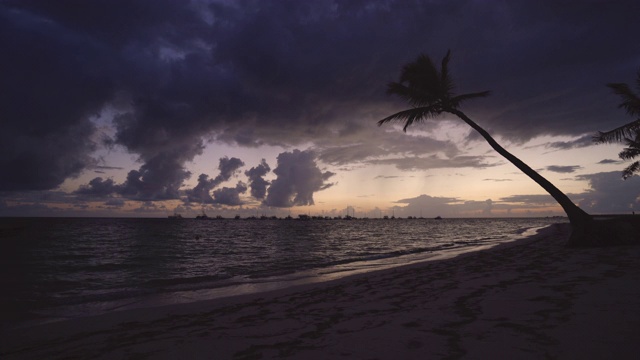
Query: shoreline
[[527, 298], [247, 286]]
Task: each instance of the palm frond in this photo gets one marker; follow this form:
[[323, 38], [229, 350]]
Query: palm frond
[[411, 116], [427, 89], [618, 134], [631, 151], [414, 96], [630, 170], [630, 101], [446, 82], [420, 74], [457, 100]]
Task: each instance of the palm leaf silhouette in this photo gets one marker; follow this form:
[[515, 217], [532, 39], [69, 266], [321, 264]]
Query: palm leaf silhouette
[[628, 133]]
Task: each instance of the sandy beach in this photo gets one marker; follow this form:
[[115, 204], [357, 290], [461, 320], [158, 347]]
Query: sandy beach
[[527, 300]]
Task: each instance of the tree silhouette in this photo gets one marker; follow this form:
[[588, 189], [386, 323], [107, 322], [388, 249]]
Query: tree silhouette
[[429, 91], [627, 133]]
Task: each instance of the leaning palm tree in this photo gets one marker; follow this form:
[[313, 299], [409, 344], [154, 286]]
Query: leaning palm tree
[[628, 133], [429, 91]]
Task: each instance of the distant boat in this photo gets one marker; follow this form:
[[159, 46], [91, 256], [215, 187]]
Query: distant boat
[[175, 216], [438, 217], [203, 216]]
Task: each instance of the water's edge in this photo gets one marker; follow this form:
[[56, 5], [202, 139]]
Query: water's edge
[[257, 285]]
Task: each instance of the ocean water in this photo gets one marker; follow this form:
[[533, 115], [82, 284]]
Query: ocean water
[[56, 268]]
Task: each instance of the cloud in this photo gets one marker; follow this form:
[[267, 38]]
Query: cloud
[[584, 141], [610, 194], [298, 177], [257, 183], [563, 169], [230, 196], [98, 187], [159, 178], [434, 162], [387, 177], [201, 193], [431, 206], [108, 168], [228, 167], [176, 72], [542, 199], [117, 203], [609, 161]]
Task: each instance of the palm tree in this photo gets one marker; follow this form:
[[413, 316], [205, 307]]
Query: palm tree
[[429, 91], [628, 133]]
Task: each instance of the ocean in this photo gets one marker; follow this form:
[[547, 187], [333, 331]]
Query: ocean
[[58, 268]]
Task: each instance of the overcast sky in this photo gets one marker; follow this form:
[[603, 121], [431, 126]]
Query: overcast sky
[[143, 108]]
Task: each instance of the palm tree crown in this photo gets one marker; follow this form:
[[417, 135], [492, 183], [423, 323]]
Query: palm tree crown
[[428, 90], [628, 133]]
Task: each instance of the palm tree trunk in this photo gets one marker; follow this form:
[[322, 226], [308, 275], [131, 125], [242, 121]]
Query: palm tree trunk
[[579, 219]]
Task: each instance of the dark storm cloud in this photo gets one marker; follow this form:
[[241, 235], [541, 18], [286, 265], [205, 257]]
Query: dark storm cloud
[[45, 132], [159, 178], [228, 167], [610, 194], [243, 71], [257, 183], [563, 169], [298, 177], [230, 196], [98, 187], [201, 193]]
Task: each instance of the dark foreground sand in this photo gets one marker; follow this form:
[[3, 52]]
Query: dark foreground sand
[[532, 300]]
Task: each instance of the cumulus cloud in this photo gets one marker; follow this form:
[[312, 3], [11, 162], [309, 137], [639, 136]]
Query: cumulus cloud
[[98, 187], [610, 194], [257, 183], [230, 196], [228, 167], [201, 193], [298, 178], [160, 178]]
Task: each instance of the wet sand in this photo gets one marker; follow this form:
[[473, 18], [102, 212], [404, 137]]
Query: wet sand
[[528, 300]]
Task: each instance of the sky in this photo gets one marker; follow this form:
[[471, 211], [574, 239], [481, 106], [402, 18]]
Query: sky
[[146, 108]]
